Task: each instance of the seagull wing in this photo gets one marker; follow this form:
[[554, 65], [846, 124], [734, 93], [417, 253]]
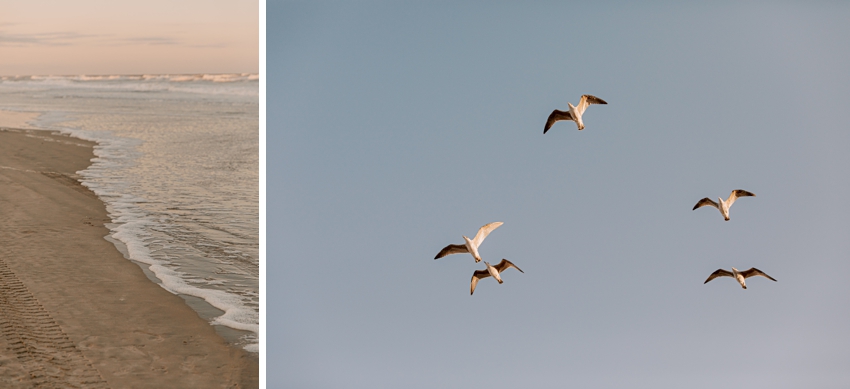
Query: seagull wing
[[588, 100], [484, 231], [738, 193], [505, 264], [705, 201], [479, 274], [752, 272], [452, 249], [718, 273], [555, 116]]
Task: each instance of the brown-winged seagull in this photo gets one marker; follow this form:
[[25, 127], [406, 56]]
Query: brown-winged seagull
[[574, 112], [738, 275], [723, 207], [491, 271], [471, 245]]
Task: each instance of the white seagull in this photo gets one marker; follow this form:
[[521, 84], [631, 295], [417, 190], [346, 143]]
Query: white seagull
[[471, 245], [738, 275], [724, 206], [574, 113], [491, 271]]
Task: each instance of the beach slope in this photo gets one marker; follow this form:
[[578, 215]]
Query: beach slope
[[73, 311]]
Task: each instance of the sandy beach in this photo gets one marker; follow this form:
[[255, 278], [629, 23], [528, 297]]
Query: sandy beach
[[74, 313]]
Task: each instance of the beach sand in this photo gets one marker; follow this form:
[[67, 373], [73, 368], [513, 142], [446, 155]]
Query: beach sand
[[73, 311]]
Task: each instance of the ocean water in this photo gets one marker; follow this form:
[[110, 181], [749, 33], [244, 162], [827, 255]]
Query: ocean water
[[177, 164]]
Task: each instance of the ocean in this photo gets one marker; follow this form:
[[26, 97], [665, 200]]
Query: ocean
[[177, 165]]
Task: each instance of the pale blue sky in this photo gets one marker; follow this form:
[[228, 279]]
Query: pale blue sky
[[395, 128]]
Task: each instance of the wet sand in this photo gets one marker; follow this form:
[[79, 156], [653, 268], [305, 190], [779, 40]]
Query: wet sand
[[73, 311]]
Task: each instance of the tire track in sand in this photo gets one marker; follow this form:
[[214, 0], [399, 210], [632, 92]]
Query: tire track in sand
[[49, 357]]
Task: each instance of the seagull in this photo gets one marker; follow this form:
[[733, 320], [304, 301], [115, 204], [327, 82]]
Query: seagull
[[740, 276], [724, 205], [574, 113], [491, 271], [471, 245]]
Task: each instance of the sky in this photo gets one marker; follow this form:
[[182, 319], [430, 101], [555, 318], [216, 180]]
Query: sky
[[55, 37], [395, 128]]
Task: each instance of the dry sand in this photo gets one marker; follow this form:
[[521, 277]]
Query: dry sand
[[73, 311]]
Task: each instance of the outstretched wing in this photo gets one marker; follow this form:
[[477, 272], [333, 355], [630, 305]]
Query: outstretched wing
[[752, 272], [484, 231], [588, 100], [479, 274], [718, 273], [555, 116], [738, 193], [452, 249], [505, 264], [705, 201]]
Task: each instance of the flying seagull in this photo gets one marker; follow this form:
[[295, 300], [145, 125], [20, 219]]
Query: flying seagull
[[724, 205], [740, 276], [574, 112], [471, 245], [491, 271]]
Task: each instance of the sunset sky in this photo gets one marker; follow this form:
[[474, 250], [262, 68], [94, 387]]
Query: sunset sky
[[49, 37]]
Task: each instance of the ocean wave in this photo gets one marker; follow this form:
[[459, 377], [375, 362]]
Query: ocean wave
[[214, 77], [236, 84]]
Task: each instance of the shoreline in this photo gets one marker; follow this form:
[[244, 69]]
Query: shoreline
[[234, 335], [205, 310], [99, 321]]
